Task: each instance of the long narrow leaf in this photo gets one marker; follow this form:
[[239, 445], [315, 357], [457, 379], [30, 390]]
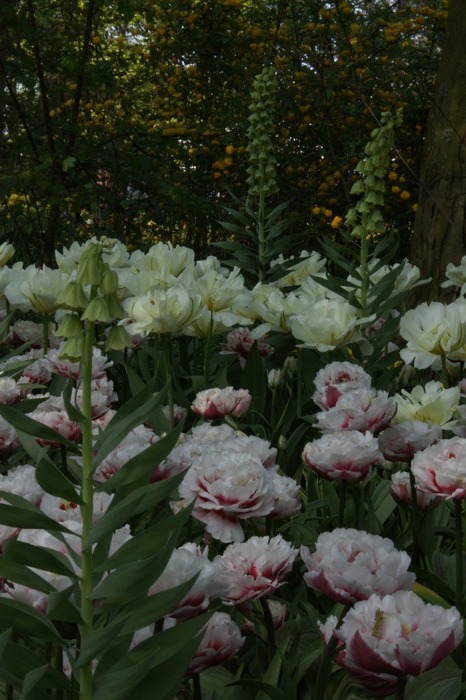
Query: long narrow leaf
[[140, 500], [27, 425], [54, 482], [130, 415]]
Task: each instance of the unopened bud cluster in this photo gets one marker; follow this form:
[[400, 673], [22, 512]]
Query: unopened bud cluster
[[261, 171], [92, 297], [366, 217]]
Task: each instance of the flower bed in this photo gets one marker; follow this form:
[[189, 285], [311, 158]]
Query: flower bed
[[209, 488]]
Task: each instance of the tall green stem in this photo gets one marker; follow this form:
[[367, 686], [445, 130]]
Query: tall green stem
[[87, 492], [342, 503], [445, 378], [363, 264], [207, 352], [299, 382], [165, 340], [459, 553], [400, 688], [261, 234], [268, 619], [45, 332], [415, 520]]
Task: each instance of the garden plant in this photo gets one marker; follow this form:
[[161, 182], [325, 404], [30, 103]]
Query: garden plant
[[239, 470]]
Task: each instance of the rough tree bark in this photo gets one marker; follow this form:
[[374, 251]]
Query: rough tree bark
[[439, 235]]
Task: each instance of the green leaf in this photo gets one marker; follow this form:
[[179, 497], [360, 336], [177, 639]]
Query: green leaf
[[130, 415], [140, 467], [24, 515], [32, 680], [53, 481], [61, 608], [152, 608], [437, 684], [27, 425], [140, 500], [27, 622], [253, 378], [158, 662], [148, 541], [38, 557], [73, 411], [131, 581], [21, 574], [99, 640]]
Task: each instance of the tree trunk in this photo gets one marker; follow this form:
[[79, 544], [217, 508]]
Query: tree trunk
[[439, 235]]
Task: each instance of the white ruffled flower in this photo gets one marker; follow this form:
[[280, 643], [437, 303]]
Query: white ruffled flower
[[328, 324], [399, 442], [440, 469], [185, 562], [162, 311], [254, 568], [361, 409], [396, 635], [431, 404], [227, 489], [350, 565], [335, 379], [347, 455], [36, 289], [221, 641], [432, 330]]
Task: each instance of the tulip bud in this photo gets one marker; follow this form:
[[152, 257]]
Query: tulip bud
[[275, 379], [6, 252]]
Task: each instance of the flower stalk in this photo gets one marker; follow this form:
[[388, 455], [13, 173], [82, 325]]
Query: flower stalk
[[87, 492], [459, 553]]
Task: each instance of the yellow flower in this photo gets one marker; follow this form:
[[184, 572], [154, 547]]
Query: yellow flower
[[336, 221], [316, 211], [405, 195]]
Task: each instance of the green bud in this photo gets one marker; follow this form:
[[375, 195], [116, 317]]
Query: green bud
[[73, 348], [102, 309], [109, 283], [90, 267], [117, 339], [72, 296], [282, 442], [97, 310], [70, 326]]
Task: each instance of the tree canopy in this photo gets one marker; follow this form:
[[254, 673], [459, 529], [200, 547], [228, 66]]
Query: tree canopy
[[131, 118]]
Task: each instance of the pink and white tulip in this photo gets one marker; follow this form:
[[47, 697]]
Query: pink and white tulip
[[361, 409], [185, 562], [347, 455], [254, 568], [213, 404], [335, 379], [221, 641], [400, 491], [396, 636], [227, 491], [350, 565], [400, 442], [441, 469]]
